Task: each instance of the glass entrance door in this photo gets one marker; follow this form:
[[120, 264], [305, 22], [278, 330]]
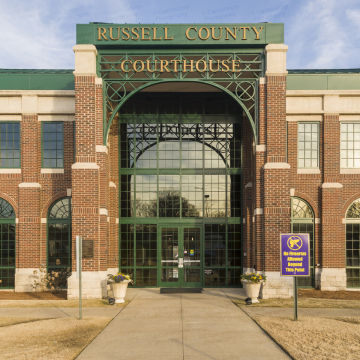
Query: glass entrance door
[[180, 256]]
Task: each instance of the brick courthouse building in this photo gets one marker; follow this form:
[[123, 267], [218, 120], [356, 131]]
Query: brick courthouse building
[[179, 153]]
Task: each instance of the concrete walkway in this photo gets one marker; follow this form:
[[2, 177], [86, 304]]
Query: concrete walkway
[[182, 326]]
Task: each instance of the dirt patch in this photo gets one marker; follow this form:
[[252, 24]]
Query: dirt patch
[[315, 338], [47, 295], [7, 321], [335, 295], [61, 339], [303, 303]]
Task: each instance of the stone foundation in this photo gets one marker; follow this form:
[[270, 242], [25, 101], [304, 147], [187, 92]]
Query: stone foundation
[[93, 285], [276, 286], [24, 279], [333, 279]]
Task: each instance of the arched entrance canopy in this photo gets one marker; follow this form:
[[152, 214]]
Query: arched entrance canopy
[[126, 74]]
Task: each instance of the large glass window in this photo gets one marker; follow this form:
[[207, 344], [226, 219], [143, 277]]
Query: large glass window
[[52, 145], [308, 145], [59, 235], [302, 222], [10, 144], [350, 145], [7, 245], [352, 245], [180, 147]]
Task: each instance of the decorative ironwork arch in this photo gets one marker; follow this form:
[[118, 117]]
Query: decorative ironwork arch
[[124, 74], [126, 97]]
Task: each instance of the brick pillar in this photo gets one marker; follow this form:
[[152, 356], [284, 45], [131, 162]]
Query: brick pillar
[[102, 159], [333, 274], [88, 213], [276, 210], [28, 246]]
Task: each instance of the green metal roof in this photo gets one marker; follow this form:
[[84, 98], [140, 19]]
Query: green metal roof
[[36, 79], [323, 79], [36, 71], [63, 79], [324, 71]]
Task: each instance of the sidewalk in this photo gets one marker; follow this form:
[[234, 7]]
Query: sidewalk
[[183, 326]]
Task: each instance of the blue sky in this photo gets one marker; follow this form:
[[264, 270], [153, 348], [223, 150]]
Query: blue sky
[[319, 33]]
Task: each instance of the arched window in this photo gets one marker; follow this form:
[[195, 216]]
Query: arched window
[[7, 245], [59, 235], [302, 222], [352, 245]]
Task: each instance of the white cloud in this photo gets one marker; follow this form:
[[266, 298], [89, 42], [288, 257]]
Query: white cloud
[[320, 36], [39, 34]]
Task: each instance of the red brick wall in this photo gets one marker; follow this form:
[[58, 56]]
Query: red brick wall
[[276, 181], [85, 182]]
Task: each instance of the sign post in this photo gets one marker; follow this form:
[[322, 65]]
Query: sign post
[[78, 270], [295, 260]]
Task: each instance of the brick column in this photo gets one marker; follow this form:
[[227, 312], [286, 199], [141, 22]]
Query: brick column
[[28, 245], [333, 274], [276, 210], [88, 203]]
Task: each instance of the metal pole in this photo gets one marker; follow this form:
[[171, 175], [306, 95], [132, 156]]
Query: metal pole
[[295, 299]]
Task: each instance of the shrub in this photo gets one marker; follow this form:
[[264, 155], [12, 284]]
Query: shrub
[[53, 280]]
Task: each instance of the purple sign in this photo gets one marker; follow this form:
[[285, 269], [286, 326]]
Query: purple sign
[[295, 254]]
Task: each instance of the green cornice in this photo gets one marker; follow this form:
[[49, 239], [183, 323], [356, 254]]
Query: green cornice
[[332, 79], [63, 79], [36, 79]]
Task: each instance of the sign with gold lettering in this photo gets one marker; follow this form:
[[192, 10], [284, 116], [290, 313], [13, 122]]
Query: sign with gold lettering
[[200, 66], [179, 34]]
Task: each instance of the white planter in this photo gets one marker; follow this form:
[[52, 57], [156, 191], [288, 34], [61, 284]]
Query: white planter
[[119, 291], [252, 290]]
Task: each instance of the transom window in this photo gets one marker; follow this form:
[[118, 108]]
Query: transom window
[[352, 245], [350, 145], [308, 145], [302, 222], [10, 144], [7, 245], [52, 145]]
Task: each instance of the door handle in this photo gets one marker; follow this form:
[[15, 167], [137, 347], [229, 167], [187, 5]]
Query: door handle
[[181, 263]]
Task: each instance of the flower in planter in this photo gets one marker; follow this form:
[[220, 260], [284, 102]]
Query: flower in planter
[[120, 277], [253, 277]]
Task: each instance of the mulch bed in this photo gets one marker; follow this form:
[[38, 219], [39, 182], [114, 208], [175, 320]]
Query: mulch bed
[[11, 295], [334, 295]]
